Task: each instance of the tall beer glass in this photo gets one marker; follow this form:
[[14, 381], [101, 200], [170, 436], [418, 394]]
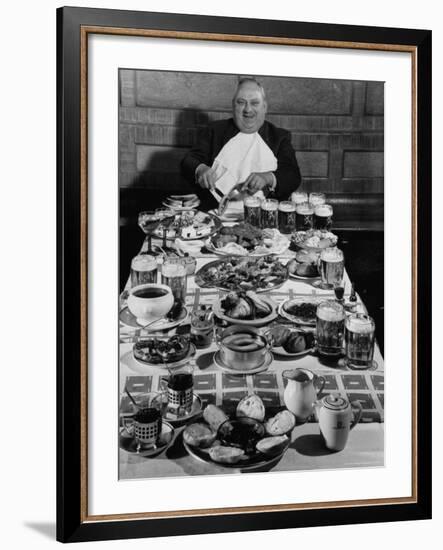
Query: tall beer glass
[[251, 207], [359, 341], [286, 216], [174, 275], [330, 328], [143, 270], [316, 198], [323, 216], [332, 267], [299, 197], [269, 213], [304, 216]]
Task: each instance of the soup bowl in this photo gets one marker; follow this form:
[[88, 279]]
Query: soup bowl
[[242, 347], [150, 302]]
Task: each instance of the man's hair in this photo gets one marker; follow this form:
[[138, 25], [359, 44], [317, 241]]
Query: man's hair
[[250, 80]]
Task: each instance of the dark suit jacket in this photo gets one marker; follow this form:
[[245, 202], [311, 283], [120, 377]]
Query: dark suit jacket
[[211, 140]]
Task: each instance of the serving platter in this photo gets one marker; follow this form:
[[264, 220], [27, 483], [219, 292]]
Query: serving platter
[[206, 230], [228, 274], [256, 462]]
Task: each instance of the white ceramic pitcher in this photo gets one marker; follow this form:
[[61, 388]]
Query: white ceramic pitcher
[[301, 392]]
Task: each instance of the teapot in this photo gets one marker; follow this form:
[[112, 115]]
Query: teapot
[[300, 393], [336, 419]]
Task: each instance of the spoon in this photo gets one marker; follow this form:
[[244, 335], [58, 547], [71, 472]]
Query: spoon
[[131, 398]]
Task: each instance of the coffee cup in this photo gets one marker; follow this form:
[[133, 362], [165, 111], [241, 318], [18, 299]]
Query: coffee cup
[[145, 427]]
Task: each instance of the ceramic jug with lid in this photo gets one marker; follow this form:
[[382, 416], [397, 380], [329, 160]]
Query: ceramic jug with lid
[[336, 419], [301, 393]]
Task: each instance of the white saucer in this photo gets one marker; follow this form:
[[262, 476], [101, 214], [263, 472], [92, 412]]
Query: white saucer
[[129, 320], [128, 443], [219, 363], [173, 419]]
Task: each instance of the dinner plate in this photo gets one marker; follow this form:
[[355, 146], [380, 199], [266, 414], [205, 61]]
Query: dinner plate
[[129, 320], [250, 254], [229, 370], [253, 463], [283, 353], [303, 278], [216, 308], [129, 444], [181, 208], [167, 366], [300, 300]]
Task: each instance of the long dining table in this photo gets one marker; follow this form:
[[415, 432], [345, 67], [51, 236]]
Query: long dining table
[[365, 447]]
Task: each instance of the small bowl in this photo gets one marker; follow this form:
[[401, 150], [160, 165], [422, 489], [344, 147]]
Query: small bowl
[[243, 433], [150, 302]]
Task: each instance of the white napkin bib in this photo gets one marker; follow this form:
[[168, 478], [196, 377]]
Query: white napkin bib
[[241, 155]]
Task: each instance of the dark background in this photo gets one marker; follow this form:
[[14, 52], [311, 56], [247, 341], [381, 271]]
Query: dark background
[[337, 130]]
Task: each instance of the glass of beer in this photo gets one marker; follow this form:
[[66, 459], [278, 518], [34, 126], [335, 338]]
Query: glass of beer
[[251, 206], [269, 213], [316, 198], [331, 267], [330, 328], [323, 216], [286, 216], [174, 275], [359, 341], [304, 214], [143, 270], [299, 197]]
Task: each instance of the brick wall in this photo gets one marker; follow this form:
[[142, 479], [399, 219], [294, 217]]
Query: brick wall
[[336, 128]]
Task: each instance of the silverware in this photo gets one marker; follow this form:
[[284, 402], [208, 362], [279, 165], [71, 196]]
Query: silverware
[[224, 202]]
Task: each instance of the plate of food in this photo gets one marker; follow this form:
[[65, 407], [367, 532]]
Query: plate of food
[[239, 273], [245, 308], [291, 342], [182, 202], [163, 351], [304, 265], [313, 240], [243, 239], [246, 441], [189, 225], [301, 310]]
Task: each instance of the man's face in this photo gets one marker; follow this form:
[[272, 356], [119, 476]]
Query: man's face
[[249, 108]]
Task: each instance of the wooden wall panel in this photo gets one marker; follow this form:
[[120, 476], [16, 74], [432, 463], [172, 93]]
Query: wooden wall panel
[[337, 130]]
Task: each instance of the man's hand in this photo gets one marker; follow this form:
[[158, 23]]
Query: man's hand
[[205, 176], [257, 181]]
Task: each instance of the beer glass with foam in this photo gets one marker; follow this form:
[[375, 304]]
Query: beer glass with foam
[[286, 217], [251, 205], [323, 216], [304, 216], [299, 197], [331, 267], [143, 270], [269, 213], [330, 328], [359, 341]]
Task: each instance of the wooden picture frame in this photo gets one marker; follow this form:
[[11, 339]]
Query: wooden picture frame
[[74, 523]]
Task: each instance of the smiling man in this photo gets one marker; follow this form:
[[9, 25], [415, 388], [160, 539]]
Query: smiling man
[[245, 150]]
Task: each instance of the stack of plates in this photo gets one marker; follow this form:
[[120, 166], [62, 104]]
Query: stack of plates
[[182, 202]]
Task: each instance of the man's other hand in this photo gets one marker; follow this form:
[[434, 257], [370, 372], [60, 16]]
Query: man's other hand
[[205, 176], [257, 181]]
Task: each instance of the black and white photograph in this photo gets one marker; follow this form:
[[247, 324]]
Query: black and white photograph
[[251, 274]]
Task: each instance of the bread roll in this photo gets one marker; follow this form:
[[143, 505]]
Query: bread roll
[[227, 455], [272, 446], [282, 423], [214, 417], [199, 435], [251, 406]]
